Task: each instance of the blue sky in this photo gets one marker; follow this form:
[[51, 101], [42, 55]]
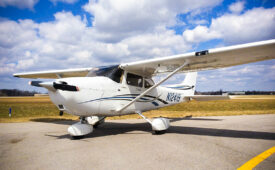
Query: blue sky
[[58, 34]]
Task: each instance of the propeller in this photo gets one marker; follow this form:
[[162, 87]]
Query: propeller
[[53, 86], [62, 85]]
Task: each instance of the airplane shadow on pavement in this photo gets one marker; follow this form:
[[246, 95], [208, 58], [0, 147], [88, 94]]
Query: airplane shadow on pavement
[[117, 128]]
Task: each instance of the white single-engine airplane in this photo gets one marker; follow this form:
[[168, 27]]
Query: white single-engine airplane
[[128, 88]]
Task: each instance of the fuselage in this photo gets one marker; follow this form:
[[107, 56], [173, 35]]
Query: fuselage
[[101, 96]]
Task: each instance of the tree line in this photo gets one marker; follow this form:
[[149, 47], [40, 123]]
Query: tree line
[[221, 92], [16, 92]]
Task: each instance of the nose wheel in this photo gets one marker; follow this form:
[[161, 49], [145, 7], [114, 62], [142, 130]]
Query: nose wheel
[[80, 129], [85, 126]]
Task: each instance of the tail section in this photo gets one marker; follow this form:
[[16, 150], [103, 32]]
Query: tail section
[[188, 85]]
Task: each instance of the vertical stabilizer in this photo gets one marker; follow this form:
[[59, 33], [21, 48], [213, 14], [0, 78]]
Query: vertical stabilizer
[[188, 85]]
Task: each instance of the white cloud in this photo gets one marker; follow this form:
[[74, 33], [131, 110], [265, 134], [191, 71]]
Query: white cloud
[[156, 45], [7, 68], [120, 19], [68, 41], [15, 33], [199, 34], [124, 32], [19, 3], [198, 22], [256, 76], [237, 7], [66, 28], [202, 78], [22, 64], [64, 1], [253, 25]]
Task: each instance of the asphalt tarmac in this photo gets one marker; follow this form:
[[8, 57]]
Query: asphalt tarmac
[[223, 142]]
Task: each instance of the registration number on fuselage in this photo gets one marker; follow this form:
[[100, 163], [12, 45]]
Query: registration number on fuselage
[[173, 97]]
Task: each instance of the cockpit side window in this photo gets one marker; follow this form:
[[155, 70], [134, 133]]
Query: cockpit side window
[[148, 83], [134, 80]]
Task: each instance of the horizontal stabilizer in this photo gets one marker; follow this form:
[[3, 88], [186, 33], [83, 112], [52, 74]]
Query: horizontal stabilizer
[[208, 97]]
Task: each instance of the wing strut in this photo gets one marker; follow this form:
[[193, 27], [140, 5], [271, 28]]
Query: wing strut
[[151, 88]]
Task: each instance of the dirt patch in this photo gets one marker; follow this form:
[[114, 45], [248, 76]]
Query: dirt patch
[[16, 140]]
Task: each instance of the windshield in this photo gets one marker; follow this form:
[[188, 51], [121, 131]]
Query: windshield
[[113, 72]]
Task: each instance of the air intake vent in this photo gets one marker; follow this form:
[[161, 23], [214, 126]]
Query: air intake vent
[[61, 107]]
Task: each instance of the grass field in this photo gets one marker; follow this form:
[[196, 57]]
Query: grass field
[[41, 108]]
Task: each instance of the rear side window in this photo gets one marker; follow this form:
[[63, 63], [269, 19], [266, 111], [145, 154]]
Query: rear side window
[[148, 83], [134, 80]]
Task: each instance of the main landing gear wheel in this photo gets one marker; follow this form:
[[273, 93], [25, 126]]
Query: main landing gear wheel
[[159, 125]]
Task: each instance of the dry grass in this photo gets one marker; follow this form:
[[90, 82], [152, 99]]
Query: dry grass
[[41, 108], [272, 97], [213, 108], [29, 108]]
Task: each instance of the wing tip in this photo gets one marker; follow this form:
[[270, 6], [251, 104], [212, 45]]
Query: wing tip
[[16, 75]]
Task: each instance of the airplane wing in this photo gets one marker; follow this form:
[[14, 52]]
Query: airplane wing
[[202, 60], [54, 74], [79, 72], [205, 60]]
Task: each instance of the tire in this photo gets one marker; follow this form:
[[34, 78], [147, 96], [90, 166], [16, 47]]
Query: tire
[[156, 132], [77, 137]]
